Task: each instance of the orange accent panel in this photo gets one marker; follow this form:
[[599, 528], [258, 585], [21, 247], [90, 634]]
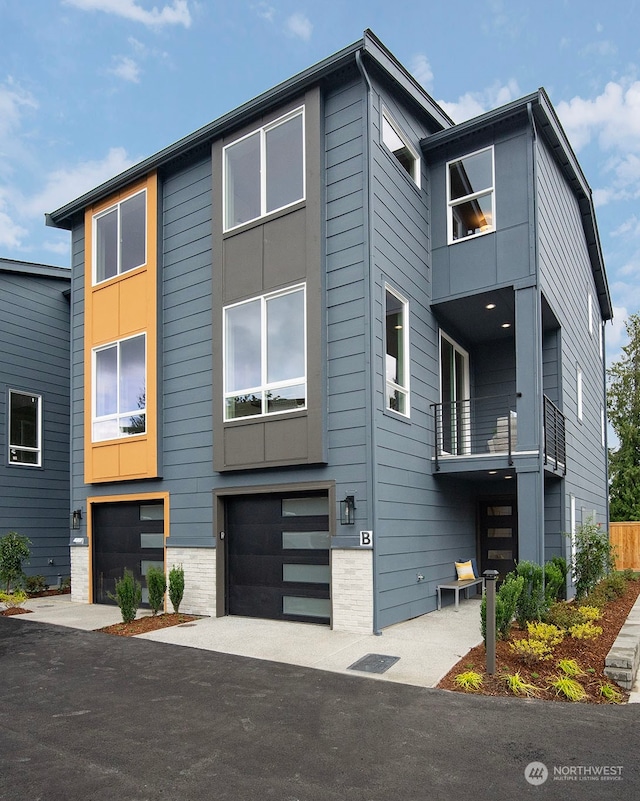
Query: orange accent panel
[[105, 462], [137, 292], [104, 314]]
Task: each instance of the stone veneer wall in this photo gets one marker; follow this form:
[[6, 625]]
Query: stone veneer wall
[[199, 566], [352, 590], [80, 574]]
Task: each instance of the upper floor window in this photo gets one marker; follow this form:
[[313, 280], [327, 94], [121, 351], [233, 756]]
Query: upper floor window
[[397, 352], [120, 237], [397, 143], [264, 171], [470, 195], [25, 428], [590, 312], [579, 392], [119, 389], [265, 370]]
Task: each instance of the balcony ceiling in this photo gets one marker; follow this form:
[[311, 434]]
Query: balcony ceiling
[[471, 320]]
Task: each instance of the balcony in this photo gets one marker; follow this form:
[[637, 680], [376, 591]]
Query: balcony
[[555, 450]]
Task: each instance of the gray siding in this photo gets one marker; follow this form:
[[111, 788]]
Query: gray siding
[[34, 358], [566, 280]]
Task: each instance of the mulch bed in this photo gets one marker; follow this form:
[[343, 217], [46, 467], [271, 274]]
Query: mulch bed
[[589, 654], [19, 610], [148, 623]]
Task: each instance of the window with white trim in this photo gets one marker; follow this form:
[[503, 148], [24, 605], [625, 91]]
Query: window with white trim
[[265, 355], [471, 196], [396, 141], [264, 171], [454, 430], [397, 352], [579, 392], [119, 389], [590, 312], [120, 237], [25, 428]]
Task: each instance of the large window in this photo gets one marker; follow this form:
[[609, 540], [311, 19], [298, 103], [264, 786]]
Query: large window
[[264, 171], [397, 352], [119, 237], [397, 143], [25, 429], [265, 355], [470, 195], [119, 389]]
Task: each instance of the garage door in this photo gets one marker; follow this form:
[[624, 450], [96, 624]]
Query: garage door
[[278, 557], [125, 535]]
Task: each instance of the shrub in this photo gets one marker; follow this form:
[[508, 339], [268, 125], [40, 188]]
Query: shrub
[[561, 564], [506, 603], [14, 550], [34, 584], [589, 613], [570, 688], [531, 601], [65, 584], [564, 615], [468, 681], [157, 585], [545, 632], [594, 557], [613, 586], [531, 651], [585, 631], [176, 587], [519, 686], [630, 574], [12, 600], [128, 595]]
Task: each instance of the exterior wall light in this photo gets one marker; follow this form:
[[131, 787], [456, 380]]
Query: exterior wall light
[[347, 511], [76, 517]]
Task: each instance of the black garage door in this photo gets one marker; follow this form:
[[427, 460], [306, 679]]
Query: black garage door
[[125, 535], [278, 557]]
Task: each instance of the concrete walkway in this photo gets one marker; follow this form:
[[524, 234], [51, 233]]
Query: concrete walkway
[[427, 646]]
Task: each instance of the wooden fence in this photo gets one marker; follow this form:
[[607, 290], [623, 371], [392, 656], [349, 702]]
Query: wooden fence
[[626, 538]]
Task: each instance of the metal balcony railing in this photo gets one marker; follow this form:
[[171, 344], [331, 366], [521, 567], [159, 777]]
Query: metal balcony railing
[[555, 450]]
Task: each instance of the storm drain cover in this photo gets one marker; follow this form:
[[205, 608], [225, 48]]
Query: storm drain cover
[[374, 663]]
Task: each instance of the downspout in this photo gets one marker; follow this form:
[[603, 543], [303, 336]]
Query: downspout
[[371, 447], [607, 513]]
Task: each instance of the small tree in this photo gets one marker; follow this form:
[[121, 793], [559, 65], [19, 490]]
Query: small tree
[[128, 596], [531, 601], [157, 585], [14, 550], [176, 586], [594, 557]]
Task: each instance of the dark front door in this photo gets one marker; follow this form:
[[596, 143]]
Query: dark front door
[[498, 534], [125, 535], [278, 557]]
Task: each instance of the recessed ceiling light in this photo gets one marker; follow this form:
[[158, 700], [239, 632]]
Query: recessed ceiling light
[[506, 325], [508, 476], [492, 472], [490, 306]]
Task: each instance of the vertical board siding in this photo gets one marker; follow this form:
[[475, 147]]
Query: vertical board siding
[[34, 331], [566, 280], [625, 538]]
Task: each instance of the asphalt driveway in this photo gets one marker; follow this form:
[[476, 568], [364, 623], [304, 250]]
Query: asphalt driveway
[[86, 716]]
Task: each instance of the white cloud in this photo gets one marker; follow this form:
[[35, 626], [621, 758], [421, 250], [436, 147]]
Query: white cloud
[[177, 13], [474, 103], [11, 234], [421, 71], [14, 100], [126, 68], [264, 11], [300, 26]]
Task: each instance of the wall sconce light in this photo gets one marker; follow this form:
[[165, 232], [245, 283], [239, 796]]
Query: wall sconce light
[[347, 511], [76, 517]]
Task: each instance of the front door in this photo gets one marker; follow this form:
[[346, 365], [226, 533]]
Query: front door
[[498, 517], [125, 535], [278, 557]]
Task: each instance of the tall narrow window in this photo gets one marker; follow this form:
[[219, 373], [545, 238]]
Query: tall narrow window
[[454, 394], [398, 144], [25, 428], [590, 312], [579, 393], [119, 382], [471, 200], [265, 355], [264, 171], [120, 237], [397, 352]]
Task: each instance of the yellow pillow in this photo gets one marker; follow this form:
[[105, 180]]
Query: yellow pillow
[[465, 571]]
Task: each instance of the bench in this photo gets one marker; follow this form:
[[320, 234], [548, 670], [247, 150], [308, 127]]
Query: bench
[[456, 585]]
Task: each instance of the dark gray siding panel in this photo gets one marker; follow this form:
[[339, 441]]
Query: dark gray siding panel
[[34, 358], [566, 281]]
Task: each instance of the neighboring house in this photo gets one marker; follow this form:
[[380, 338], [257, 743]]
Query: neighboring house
[[331, 343], [34, 412]]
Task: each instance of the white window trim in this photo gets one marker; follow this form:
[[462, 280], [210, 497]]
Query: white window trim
[[590, 312], [391, 385], [119, 414], [265, 385], [417, 163], [458, 201], [11, 447], [263, 131], [466, 389], [94, 238], [572, 526], [603, 422], [579, 394]]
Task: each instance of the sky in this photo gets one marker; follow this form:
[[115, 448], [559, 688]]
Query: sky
[[90, 87]]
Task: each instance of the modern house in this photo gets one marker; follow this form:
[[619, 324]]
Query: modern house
[[331, 343], [34, 412]]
